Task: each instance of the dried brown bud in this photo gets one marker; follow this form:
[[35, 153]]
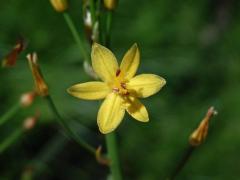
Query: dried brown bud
[[100, 158], [27, 99], [40, 85], [59, 5], [199, 135], [11, 58], [110, 4]]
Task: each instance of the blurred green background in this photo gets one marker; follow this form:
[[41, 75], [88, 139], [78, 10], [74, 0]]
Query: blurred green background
[[194, 45]]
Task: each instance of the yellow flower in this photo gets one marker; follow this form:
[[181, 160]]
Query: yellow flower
[[120, 88]]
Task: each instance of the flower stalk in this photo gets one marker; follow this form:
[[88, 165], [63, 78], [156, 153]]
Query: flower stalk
[[76, 36], [26, 100], [18, 132], [93, 11], [10, 113], [65, 125], [11, 139], [113, 156], [196, 139], [108, 27]]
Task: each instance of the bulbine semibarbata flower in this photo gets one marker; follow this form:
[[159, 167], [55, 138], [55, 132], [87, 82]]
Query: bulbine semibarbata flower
[[120, 87]]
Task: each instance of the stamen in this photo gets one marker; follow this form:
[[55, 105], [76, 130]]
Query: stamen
[[118, 72], [123, 85], [116, 90]]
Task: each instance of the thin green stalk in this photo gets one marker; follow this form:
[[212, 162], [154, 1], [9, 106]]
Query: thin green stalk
[[111, 138], [108, 27], [100, 23], [113, 155], [185, 157], [72, 134], [11, 139], [76, 36], [93, 11], [10, 113]]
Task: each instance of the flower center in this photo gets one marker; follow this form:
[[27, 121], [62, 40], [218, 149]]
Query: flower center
[[119, 86]]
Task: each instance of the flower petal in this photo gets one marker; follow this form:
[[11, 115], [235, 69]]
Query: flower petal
[[130, 62], [145, 85], [110, 113], [90, 90], [136, 109], [104, 62]]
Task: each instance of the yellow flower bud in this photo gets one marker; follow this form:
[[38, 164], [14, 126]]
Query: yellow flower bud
[[40, 85], [59, 5], [110, 4], [199, 135]]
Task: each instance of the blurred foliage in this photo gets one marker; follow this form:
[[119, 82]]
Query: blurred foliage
[[194, 45]]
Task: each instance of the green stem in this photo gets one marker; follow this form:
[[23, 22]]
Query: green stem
[[10, 113], [108, 27], [93, 12], [111, 138], [113, 155], [100, 23], [185, 157], [76, 36], [11, 139], [65, 125]]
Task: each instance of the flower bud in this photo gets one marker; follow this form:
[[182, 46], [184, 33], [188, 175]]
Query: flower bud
[[110, 4], [30, 122], [59, 5], [11, 58], [40, 85], [27, 99], [199, 135], [87, 23]]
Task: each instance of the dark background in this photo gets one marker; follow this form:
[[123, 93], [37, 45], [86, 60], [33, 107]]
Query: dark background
[[194, 45]]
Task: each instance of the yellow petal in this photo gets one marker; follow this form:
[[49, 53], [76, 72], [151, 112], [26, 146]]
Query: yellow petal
[[90, 90], [130, 62], [136, 109], [110, 113], [104, 62], [145, 85]]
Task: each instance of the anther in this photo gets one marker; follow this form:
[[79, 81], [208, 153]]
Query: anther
[[123, 85], [118, 72], [126, 94], [115, 90]]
